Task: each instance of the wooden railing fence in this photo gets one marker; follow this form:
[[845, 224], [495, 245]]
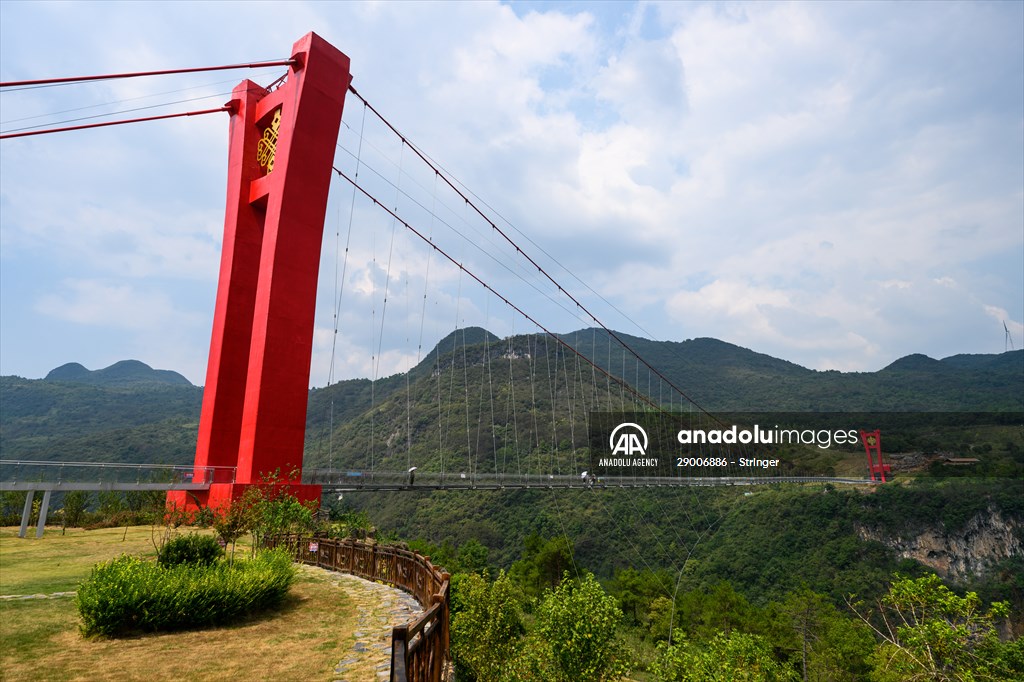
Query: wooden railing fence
[[419, 649]]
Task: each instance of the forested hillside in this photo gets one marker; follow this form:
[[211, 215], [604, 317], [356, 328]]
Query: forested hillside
[[470, 381], [720, 567], [722, 376], [494, 399], [127, 412]]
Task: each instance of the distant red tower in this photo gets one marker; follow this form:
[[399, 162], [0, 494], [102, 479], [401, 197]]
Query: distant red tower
[[281, 151], [873, 446]]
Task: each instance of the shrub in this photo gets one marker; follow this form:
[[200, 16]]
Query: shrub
[[736, 656], [11, 504], [76, 502], [195, 549], [486, 626], [576, 636], [128, 594], [204, 517]]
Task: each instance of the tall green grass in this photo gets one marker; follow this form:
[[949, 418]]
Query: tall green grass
[[127, 594], [190, 549]]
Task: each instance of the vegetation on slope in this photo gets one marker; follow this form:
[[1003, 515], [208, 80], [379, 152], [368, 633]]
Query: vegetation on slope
[[740, 572], [470, 381]]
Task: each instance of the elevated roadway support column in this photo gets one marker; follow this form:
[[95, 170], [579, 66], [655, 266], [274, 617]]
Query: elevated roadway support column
[[26, 512], [279, 173], [43, 509]]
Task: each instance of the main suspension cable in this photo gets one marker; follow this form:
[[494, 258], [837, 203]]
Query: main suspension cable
[[27, 133], [138, 74], [558, 340], [534, 263]]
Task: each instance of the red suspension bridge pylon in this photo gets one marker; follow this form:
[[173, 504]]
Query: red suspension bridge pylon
[[281, 150], [872, 441]]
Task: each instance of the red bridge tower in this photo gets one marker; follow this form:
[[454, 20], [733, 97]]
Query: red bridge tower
[[872, 441], [281, 151]]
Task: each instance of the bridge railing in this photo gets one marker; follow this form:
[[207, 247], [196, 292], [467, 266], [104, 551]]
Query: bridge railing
[[37, 474], [341, 480], [420, 648], [403, 480]]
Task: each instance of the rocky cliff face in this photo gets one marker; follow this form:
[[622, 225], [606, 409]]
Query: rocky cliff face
[[986, 539]]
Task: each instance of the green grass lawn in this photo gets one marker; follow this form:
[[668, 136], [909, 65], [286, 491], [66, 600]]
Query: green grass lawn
[[57, 563], [39, 638]]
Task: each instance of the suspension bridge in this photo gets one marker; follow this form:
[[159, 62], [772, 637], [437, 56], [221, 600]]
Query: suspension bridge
[[416, 256], [421, 253]]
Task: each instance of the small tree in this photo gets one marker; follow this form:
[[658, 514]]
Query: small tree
[[75, 504], [927, 632], [11, 505], [110, 503], [264, 509], [828, 645], [273, 510], [724, 658], [576, 635], [232, 521], [486, 626]]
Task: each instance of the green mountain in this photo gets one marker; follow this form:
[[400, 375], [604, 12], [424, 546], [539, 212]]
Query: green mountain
[[487, 406], [123, 373], [477, 393], [67, 420], [724, 377]]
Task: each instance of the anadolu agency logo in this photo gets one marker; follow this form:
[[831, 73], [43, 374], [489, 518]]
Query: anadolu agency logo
[[629, 441], [625, 440]]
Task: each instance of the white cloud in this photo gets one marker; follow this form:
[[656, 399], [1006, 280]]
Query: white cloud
[[1014, 327], [119, 305], [144, 323]]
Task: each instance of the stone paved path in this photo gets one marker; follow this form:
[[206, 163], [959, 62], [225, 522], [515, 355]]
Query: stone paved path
[[52, 595], [380, 607]]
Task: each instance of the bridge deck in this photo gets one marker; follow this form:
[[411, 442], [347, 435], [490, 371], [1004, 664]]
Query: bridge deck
[[22, 486], [30, 476], [27, 475], [49, 477], [396, 481]]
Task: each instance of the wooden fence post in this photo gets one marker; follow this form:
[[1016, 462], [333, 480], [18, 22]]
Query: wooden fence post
[[399, 647]]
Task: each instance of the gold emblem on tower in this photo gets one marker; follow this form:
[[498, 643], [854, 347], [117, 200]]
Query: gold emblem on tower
[[267, 146]]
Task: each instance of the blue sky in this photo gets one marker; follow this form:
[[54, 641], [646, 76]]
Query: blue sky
[[836, 184]]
